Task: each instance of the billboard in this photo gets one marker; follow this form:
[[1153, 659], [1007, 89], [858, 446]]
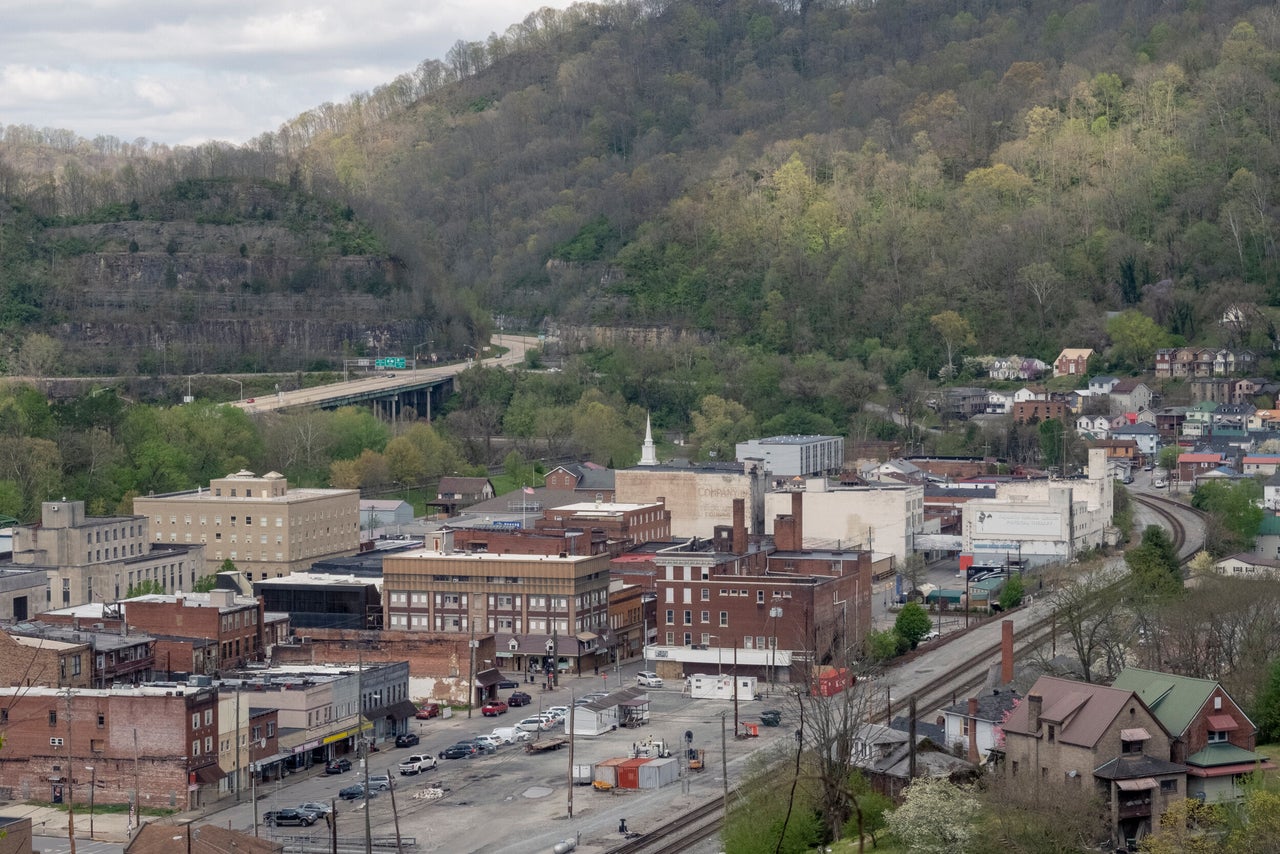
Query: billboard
[[1003, 523]]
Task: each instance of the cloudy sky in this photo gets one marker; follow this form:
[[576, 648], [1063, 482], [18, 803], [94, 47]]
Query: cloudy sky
[[186, 71]]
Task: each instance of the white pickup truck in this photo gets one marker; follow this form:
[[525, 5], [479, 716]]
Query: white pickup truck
[[417, 763]]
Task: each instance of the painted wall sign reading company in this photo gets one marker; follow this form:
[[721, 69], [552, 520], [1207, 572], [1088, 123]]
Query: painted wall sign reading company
[[996, 523]]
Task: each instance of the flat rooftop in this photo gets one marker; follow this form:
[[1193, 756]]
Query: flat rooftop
[[603, 508], [790, 440]]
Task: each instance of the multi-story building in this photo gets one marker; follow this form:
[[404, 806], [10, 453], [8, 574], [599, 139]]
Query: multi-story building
[[115, 657], [155, 743], [23, 592], [592, 480], [698, 496], [622, 524], [884, 517], [259, 523], [541, 607], [631, 613], [795, 456], [1069, 734], [99, 558], [50, 663], [232, 623], [322, 600], [732, 602]]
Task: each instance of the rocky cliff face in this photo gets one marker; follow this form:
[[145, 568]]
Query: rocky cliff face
[[182, 296]]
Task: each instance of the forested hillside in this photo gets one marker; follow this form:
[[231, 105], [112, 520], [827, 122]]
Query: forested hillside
[[803, 177]]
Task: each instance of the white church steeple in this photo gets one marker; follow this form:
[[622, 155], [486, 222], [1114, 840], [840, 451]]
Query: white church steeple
[[648, 454]]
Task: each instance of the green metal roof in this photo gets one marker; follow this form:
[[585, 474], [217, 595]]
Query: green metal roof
[[1270, 524], [1223, 754], [1173, 699]]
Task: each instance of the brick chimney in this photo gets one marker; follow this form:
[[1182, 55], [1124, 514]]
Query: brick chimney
[[1035, 705], [1006, 652], [973, 730], [797, 513], [739, 526]]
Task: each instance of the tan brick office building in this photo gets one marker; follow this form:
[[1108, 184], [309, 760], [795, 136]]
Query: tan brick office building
[[264, 527], [525, 600]]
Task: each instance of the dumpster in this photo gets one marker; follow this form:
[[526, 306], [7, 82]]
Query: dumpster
[[659, 772], [771, 717], [629, 773]]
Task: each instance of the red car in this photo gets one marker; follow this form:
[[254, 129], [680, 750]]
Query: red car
[[428, 711], [494, 708]]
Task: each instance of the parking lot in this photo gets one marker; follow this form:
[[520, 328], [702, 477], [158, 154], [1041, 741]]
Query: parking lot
[[518, 802]]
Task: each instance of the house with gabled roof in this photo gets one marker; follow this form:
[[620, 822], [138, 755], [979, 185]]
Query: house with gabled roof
[[592, 479], [1131, 395], [1072, 361], [1145, 436], [1212, 735], [1072, 734]]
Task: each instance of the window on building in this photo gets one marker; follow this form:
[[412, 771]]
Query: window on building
[[671, 638], [671, 616], [195, 720], [688, 618], [724, 618], [1053, 733], [102, 720], [706, 594], [1169, 786], [53, 717], [688, 639], [1217, 736], [759, 597]]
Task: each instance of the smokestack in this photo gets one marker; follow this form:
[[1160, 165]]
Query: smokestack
[[1006, 652], [973, 730], [739, 526], [1035, 705], [797, 513]]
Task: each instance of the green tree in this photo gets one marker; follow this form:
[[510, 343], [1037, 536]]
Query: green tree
[[1267, 711], [1052, 433], [883, 645], [149, 587], [1154, 563], [1235, 506], [355, 430], [1012, 592], [718, 425], [1136, 338], [956, 334], [913, 623]]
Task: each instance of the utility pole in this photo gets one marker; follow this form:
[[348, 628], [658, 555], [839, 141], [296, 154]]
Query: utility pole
[[471, 680], [571, 710], [239, 746], [395, 815], [724, 762], [136, 818], [735, 690]]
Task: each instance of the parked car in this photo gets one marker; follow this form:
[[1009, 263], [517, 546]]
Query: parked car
[[337, 766], [1159, 483], [510, 734], [379, 782], [316, 807], [519, 698], [291, 816], [648, 679], [930, 635], [461, 750], [415, 763], [508, 683], [408, 739], [493, 708], [428, 711], [534, 724], [350, 793], [488, 743], [558, 711], [582, 701]]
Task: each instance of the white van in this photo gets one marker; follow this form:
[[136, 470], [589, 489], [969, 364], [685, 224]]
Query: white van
[[510, 734], [648, 679]]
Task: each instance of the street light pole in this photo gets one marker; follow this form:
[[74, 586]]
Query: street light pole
[[93, 785]]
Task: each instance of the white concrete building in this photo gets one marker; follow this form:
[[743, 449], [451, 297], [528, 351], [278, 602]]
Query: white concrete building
[[795, 456], [1041, 521], [699, 497], [882, 518]]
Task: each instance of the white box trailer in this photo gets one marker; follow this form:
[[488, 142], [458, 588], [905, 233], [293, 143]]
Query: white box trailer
[[659, 772], [704, 686]]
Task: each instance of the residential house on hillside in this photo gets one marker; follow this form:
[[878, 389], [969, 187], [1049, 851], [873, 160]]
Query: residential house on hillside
[[1072, 362], [1095, 426], [1212, 735], [1016, 368], [1192, 466], [1131, 395], [1102, 385], [1216, 389], [1255, 564], [1233, 415], [973, 726], [1189, 362], [455, 493], [999, 402], [1036, 411], [1260, 464], [593, 480], [1263, 419], [1145, 436], [1169, 421], [1198, 419], [1030, 392], [883, 755], [1066, 734]]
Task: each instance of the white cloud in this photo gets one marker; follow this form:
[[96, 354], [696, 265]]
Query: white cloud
[[182, 73]]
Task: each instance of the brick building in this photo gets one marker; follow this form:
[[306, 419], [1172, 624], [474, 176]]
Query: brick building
[[31, 661], [1036, 411], [593, 481], [115, 657], [438, 661], [622, 524], [261, 524], [541, 607], [232, 623], [99, 558], [160, 741], [1071, 734], [632, 610], [772, 609]]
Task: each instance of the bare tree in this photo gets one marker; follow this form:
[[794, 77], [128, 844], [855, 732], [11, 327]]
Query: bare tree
[[1091, 610]]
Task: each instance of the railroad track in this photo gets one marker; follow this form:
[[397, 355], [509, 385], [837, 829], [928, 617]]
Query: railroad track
[[680, 833], [1161, 507]]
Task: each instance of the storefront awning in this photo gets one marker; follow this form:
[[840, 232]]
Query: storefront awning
[[586, 636], [489, 678], [267, 761], [209, 774], [401, 710]]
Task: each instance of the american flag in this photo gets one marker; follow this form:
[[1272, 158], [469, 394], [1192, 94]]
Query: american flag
[[528, 490]]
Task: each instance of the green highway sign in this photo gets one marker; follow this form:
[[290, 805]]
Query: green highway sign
[[390, 362]]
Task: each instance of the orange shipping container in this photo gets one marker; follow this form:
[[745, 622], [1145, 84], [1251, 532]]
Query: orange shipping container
[[629, 773]]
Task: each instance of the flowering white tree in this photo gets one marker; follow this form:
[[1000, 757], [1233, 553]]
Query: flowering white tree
[[936, 817]]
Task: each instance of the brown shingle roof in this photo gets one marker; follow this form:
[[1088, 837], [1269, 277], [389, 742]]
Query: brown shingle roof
[[1082, 711]]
